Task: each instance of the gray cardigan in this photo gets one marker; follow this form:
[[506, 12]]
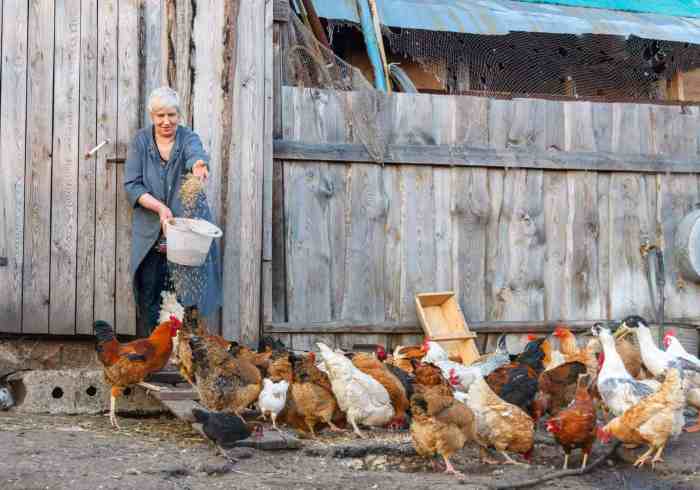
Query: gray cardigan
[[144, 174]]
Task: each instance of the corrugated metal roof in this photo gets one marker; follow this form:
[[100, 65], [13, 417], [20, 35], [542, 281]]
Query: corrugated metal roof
[[504, 16], [678, 8]]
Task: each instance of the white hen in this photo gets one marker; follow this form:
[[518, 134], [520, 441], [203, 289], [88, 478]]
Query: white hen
[[363, 399], [272, 399], [618, 389], [465, 375]]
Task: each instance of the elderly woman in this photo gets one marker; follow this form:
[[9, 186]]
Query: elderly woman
[[159, 158]]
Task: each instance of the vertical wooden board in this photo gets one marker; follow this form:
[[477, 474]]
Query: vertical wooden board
[[363, 297], [13, 93], [208, 94], [604, 244], [315, 213], [106, 174], [471, 211], [64, 192], [582, 257], [151, 53], [676, 136], [279, 290], [630, 219], [521, 227], [556, 219], [181, 38], [87, 139], [268, 136], [417, 236], [128, 119], [443, 126], [247, 152], [392, 243], [37, 245]]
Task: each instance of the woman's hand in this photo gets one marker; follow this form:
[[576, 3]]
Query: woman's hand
[[200, 169], [164, 214]]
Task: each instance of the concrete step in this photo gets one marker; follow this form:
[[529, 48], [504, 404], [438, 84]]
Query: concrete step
[[74, 391]]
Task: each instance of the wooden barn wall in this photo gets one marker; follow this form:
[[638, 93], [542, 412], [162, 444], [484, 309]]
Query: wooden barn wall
[[514, 244]]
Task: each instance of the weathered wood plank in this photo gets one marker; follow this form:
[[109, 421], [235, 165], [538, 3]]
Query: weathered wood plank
[[556, 221], [64, 176], [471, 211], [87, 139], [468, 156], [280, 10], [152, 72], [268, 137], [521, 291], [443, 125], [128, 119], [418, 232], [106, 176], [279, 288], [630, 220], [583, 227], [13, 100], [367, 212], [181, 39], [413, 328], [677, 194], [208, 94], [37, 244], [247, 152]]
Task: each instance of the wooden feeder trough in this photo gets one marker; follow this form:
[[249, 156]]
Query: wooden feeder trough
[[443, 321]]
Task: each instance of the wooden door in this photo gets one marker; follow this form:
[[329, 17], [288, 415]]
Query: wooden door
[[65, 224]]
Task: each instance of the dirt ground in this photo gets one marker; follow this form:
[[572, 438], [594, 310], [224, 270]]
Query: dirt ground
[[84, 453]]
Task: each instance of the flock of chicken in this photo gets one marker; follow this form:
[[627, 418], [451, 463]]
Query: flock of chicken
[[494, 403]]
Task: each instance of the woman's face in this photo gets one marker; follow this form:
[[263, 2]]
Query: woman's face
[[165, 120]]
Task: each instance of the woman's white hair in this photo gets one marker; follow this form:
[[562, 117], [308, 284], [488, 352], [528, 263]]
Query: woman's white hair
[[163, 97]]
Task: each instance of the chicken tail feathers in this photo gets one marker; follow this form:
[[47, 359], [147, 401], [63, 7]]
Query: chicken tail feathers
[[200, 416], [103, 331]]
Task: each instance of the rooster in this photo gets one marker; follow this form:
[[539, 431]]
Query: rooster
[[128, 364], [361, 397]]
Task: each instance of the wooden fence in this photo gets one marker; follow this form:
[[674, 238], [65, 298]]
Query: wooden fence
[[478, 196], [64, 220]]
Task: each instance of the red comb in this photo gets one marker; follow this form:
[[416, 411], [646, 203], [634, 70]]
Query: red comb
[[175, 320], [671, 333], [531, 337]]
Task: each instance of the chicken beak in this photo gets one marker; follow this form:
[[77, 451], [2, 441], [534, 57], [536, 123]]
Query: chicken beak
[[622, 332]]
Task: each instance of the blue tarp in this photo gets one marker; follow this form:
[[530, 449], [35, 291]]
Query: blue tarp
[[678, 8], [504, 16]]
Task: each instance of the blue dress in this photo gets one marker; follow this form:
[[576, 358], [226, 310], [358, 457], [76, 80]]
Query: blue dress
[[145, 172]]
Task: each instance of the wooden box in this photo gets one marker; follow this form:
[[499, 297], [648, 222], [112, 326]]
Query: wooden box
[[443, 321]]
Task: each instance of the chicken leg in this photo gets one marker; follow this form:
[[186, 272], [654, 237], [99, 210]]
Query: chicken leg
[[510, 460], [585, 460], [485, 458], [450, 470], [643, 458], [356, 428], [657, 457], [566, 461], [113, 410], [334, 428]]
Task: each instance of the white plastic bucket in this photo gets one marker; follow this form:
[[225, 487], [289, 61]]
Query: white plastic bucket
[[189, 240]]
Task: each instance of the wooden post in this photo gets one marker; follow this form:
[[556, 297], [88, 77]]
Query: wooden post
[[243, 236]]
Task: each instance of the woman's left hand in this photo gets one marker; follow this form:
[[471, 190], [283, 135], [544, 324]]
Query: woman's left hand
[[200, 169]]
